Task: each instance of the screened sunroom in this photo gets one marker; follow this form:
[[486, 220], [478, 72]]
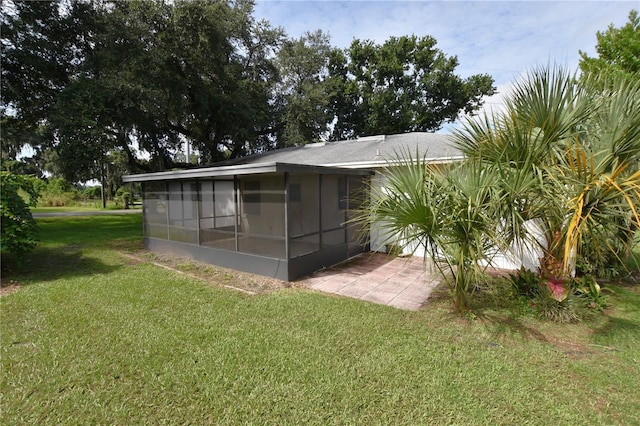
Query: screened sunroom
[[279, 220]]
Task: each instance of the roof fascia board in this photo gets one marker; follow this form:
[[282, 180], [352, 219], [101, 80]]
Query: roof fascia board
[[385, 163], [239, 170], [203, 173]]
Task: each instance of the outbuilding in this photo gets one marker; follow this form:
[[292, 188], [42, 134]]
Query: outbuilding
[[283, 213]]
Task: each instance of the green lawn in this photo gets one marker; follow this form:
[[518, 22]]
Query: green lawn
[[88, 207], [95, 337]]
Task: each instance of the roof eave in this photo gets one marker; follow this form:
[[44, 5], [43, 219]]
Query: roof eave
[[376, 164], [241, 170]]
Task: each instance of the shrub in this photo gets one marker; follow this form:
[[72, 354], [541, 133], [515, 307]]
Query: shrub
[[539, 292], [601, 263], [566, 310], [588, 289], [59, 186], [58, 193], [123, 197], [92, 192], [525, 283], [49, 199], [19, 229]]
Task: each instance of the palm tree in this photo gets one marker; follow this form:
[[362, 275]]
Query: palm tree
[[569, 152], [605, 171], [446, 210], [563, 155]]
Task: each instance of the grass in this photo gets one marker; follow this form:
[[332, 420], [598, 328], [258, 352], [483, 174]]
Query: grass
[[96, 337], [63, 209], [86, 207]]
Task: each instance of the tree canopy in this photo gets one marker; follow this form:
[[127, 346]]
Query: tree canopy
[[403, 85], [84, 79], [617, 48]]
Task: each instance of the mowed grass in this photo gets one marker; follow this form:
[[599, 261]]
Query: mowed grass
[[93, 337], [86, 207]]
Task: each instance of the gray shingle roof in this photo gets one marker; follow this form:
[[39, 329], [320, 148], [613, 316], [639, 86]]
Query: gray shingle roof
[[362, 155], [367, 152]]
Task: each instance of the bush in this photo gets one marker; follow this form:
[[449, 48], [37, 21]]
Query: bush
[[525, 283], [58, 193], [601, 265], [49, 199], [92, 192], [123, 197], [19, 230], [59, 186], [589, 290], [582, 295]]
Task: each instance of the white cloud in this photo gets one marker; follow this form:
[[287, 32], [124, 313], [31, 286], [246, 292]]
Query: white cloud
[[500, 38], [485, 35]]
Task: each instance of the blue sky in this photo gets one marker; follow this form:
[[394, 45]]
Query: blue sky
[[500, 38]]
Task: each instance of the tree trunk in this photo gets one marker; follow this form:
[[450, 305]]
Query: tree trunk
[[103, 182]]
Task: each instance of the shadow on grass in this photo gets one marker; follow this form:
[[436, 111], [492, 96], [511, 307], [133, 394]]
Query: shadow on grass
[[47, 264], [617, 329], [504, 315], [511, 325], [622, 320]]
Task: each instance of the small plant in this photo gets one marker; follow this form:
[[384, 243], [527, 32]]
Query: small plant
[[19, 230], [525, 283], [549, 300], [552, 269], [562, 311], [587, 288], [600, 264]]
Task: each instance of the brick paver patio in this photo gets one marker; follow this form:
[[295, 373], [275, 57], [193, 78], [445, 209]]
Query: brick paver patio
[[402, 282]]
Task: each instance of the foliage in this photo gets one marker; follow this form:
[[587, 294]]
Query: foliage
[[92, 192], [604, 172], [144, 77], [618, 49], [588, 288], [525, 282], [583, 295], [447, 211], [123, 197], [569, 152], [57, 192], [303, 93], [151, 72], [19, 231], [563, 158], [566, 310], [404, 85], [601, 264], [58, 186], [57, 199], [21, 167]]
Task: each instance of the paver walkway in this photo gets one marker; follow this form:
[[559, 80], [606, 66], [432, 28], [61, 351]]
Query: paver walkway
[[402, 282]]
